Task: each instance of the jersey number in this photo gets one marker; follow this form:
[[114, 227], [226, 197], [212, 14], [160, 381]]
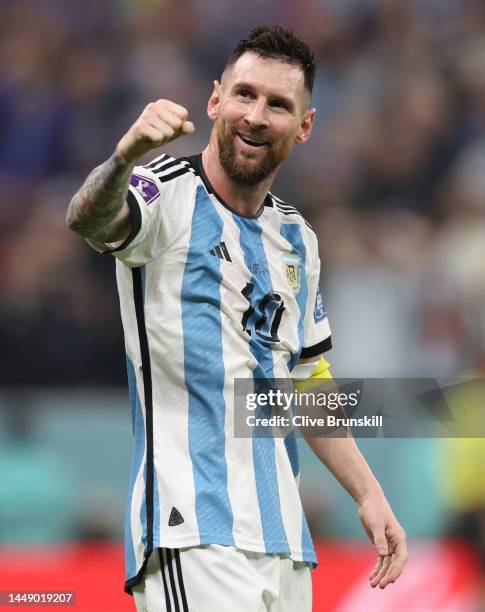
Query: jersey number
[[269, 311]]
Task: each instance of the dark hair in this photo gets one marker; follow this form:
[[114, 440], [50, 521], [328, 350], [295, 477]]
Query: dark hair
[[276, 42]]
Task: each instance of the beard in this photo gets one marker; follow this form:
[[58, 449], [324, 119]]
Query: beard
[[247, 173]]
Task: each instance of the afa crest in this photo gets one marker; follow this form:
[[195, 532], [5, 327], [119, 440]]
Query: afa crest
[[292, 270]]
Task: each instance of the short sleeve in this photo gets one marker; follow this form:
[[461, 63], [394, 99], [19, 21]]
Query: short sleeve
[[317, 336], [159, 211]]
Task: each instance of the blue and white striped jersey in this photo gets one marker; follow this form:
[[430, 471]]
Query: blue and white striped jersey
[[209, 295]]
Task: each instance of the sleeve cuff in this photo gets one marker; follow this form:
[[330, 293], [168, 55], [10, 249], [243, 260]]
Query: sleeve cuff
[[135, 215], [316, 349]]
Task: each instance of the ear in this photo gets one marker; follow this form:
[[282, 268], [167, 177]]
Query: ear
[[214, 101], [306, 126]]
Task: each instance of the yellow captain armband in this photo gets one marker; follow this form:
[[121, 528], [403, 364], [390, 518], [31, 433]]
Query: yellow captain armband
[[309, 375]]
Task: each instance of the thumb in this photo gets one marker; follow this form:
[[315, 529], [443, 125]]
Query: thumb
[[187, 127], [380, 542]]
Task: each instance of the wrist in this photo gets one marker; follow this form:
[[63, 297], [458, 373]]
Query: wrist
[[120, 159], [124, 155], [371, 490]]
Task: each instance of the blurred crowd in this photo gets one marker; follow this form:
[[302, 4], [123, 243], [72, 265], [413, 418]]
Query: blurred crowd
[[393, 179]]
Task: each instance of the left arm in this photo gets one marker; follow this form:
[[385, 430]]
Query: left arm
[[344, 460]]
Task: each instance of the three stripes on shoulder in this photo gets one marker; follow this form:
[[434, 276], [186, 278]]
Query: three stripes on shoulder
[[167, 168]]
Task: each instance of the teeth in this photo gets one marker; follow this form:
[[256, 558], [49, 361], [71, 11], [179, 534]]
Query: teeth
[[251, 142]]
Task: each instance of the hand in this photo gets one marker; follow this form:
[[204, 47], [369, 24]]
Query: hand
[[160, 122], [388, 537]]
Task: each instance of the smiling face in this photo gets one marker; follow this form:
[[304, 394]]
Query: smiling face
[[259, 112]]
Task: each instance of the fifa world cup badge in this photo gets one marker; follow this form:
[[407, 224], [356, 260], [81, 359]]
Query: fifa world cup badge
[[292, 270]]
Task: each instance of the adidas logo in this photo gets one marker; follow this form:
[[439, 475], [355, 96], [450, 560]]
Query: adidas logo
[[221, 251], [175, 518]]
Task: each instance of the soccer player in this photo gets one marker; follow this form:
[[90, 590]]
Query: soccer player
[[218, 280]]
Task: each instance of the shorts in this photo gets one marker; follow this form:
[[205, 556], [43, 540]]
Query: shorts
[[223, 578]]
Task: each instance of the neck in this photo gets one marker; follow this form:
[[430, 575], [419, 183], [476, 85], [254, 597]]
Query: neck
[[244, 199]]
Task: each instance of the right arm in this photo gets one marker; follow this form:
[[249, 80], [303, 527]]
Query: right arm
[[99, 210]]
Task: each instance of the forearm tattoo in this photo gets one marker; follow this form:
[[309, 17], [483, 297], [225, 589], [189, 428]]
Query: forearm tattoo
[[99, 200]]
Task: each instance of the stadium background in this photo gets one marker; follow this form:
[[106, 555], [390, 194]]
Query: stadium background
[[393, 181]]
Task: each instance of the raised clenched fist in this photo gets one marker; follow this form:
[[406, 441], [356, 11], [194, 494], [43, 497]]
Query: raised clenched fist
[[159, 123]]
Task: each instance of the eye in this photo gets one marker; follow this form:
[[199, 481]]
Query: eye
[[279, 104], [244, 93]]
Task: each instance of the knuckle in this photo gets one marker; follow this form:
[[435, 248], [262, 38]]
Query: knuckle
[[143, 119], [138, 130], [143, 133]]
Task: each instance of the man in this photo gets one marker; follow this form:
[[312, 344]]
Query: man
[[218, 279]]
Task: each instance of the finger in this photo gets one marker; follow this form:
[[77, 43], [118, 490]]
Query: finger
[[376, 567], [188, 127], [398, 562], [176, 129], [165, 116], [154, 135], [380, 542], [387, 577], [391, 576], [178, 110], [158, 134], [382, 572]]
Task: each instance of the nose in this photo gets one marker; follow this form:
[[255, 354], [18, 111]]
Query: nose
[[257, 114]]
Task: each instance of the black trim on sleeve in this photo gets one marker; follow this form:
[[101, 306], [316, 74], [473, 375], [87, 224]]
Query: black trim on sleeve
[[158, 164], [316, 349], [163, 178], [135, 215]]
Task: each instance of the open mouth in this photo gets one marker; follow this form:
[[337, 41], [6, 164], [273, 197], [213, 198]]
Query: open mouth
[[252, 142]]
